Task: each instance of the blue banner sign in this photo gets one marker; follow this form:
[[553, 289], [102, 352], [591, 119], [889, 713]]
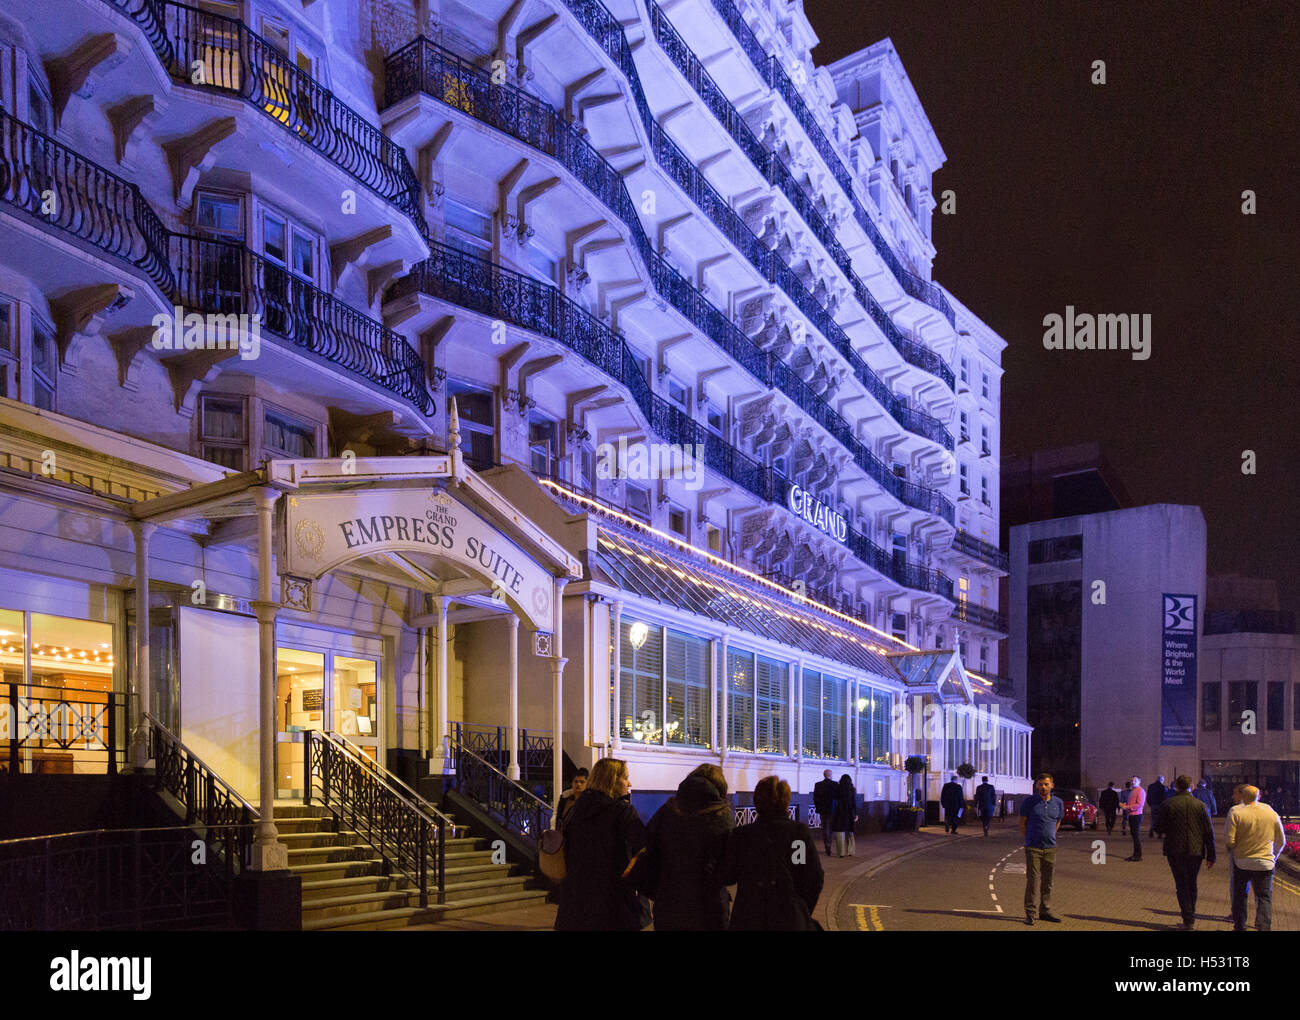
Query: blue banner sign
[[1178, 672]]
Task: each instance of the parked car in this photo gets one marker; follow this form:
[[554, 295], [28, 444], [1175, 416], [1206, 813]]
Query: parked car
[[1079, 810]]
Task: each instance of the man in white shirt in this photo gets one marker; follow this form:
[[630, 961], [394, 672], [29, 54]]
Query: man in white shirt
[[1255, 838]]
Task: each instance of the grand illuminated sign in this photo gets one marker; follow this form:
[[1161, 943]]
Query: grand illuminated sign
[[816, 513]]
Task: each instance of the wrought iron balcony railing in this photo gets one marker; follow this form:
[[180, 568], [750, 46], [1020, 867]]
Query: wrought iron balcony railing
[[212, 51], [518, 810], [61, 188], [967, 543], [482, 286], [423, 66], [226, 278], [774, 171], [773, 74], [492, 744], [970, 612], [60, 730]]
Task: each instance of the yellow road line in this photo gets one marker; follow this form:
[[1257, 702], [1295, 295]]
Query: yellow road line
[[1283, 884], [875, 919], [860, 912]]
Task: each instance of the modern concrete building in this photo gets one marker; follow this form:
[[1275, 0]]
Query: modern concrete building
[[482, 388], [1102, 606]]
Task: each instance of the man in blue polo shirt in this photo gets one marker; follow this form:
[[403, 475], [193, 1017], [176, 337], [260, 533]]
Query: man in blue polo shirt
[[1040, 817]]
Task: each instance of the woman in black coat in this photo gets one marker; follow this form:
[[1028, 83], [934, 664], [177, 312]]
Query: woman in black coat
[[602, 833], [685, 841], [845, 819], [774, 865]]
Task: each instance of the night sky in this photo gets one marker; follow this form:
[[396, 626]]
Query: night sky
[[1126, 198]]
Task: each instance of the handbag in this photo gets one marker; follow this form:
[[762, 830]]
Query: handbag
[[550, 855]]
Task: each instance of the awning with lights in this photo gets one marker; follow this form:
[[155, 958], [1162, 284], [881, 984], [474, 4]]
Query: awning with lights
[[653, 570]]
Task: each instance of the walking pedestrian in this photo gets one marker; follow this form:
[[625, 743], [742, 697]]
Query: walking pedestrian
[[1137, 800], [1256, 839], [846, 818], [1189, 838], [986, 799], [952, 800], [1123, 801], [1040, 817], [601, 835], [1156, 794], [1205, 795], [685, 841], [1109, 804], [774, 865], [570, 797], [824, 801]]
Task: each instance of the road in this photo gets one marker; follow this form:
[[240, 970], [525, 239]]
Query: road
[[977, 883]]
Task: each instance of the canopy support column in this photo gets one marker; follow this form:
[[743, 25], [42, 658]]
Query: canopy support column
[[269, 854]]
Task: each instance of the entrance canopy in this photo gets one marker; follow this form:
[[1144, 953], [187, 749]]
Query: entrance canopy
[[427, 522]]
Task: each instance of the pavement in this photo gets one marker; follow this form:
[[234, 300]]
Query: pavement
[[931, 881]]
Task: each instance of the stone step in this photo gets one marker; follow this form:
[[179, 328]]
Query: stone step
[[339, 869], [407, 917], [329, 854]]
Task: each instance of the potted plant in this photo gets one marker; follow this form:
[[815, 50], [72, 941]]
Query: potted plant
[[910, 816]]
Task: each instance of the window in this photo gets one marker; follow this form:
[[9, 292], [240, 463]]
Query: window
[[985, 448], [469, 230], [1276, 705], [286, 436], [984, 490], [638, 502], [588, 467], [824, 706], [900, 470], [543, 445], [678, 521], [965, 427], [965, 371], [477, 424], [641, 692], [984, 385], [8, 347], [716, 420], [273, 237], [543, 263], [38, 108], [679, 394], [1054, 550], [964, 481], [875, 711], [219, 214], [715, 540], [740, 700], [223, 431], [686, 710], [1295, 707], [45, 361], [772, 679], [898, 625], [1211, 694], [1243, 696]]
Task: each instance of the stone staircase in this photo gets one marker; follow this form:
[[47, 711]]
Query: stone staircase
[[344, 887]]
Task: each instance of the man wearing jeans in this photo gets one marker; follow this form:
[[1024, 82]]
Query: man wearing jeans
[[1255, 838], [1040, 817], [1137, 800]]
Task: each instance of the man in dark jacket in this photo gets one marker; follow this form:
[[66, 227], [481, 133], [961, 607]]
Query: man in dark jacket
[[1108, 802], [685, 842], [824, 794], [1206, 796], [986, 800], [1156, 794], [601, 835], [952, 800], [774, 866], [1189, 839]]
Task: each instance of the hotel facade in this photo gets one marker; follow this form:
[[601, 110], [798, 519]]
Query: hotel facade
[[484, 388]]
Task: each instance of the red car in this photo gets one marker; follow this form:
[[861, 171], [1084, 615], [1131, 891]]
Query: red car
[[1079, 810]]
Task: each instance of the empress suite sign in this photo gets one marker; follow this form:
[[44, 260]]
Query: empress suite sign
[[816, 513], [326, 530]]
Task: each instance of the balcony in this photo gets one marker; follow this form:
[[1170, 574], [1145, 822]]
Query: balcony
[[967, 543], [234, 60], [990, 619], [774, 75], [84, 200], [775, 172]]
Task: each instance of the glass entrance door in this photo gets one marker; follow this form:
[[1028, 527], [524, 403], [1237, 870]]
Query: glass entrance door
[[321, 690]]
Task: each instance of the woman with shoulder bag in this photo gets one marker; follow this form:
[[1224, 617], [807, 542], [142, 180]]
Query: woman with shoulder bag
[[602, 833]]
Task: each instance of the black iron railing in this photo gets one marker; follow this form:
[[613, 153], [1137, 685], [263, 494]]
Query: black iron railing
[[410, 835], [769, 164], [774, 75], [211, 806], [60, 730], [519, 811], [225, 278], [211, 51], [967, 543], [62, 188], [115, 880], [423, 66], [492, 744], [970, 612]]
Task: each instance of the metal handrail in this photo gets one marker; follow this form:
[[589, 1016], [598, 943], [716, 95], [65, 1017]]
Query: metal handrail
[[385, 775], [100, 832], [522, 789], [226, 787]]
